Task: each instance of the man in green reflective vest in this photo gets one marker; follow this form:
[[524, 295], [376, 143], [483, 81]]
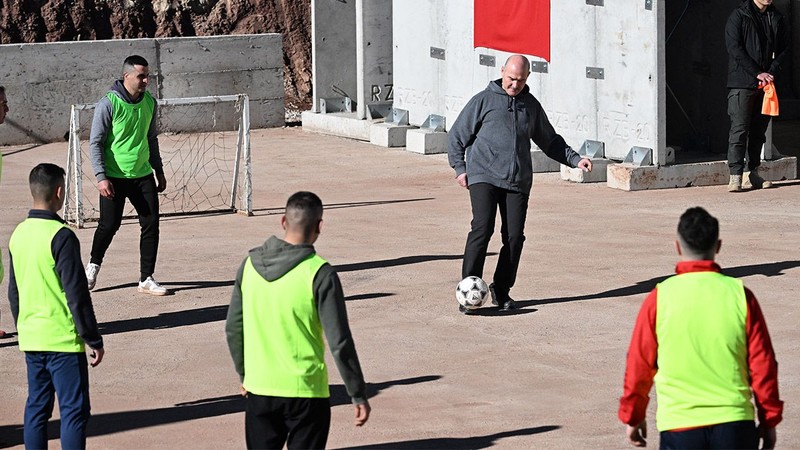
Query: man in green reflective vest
[[701, 336], [284, 298], [53, 313], [123, 147]]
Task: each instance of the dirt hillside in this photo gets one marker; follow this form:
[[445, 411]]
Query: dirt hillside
[[73, 20]]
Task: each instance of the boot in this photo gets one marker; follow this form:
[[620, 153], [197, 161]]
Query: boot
[[757, 182], [735, 184]]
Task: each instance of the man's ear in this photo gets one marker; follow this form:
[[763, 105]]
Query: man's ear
[[678, 247], [319, 227], [719, 245], [283, 222]]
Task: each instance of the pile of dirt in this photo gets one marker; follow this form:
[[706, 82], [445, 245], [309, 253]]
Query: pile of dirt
[[73, 20]]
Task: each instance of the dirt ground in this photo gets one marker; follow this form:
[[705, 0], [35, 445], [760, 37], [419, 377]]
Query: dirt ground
[[546, 376]]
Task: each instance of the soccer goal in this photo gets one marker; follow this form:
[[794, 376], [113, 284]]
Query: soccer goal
[[205, 148]]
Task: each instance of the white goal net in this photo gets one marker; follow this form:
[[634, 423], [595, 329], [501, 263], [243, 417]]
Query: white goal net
[[205, 148]]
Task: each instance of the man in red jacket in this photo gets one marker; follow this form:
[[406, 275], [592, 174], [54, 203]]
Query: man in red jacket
[[701, 336]]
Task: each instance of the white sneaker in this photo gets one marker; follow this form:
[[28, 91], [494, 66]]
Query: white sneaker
[[92, 270], [151, 286]]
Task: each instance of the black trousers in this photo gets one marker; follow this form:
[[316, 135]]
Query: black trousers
[[486, 200], [300, 423], [144, 197], [748, 129], [731, 435]]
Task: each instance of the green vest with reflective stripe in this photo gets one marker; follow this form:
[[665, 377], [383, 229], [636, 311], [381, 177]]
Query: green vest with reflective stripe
[[126, 150], [284, 349], [45, 322], [703, 377]]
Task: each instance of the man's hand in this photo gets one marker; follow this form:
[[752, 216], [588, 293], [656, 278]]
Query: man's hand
[[637, 434], [768, 437], [106, 189], [585, 164], [462, 180], [97, 356], [242, 391], [362, 413], [161, 182], [764, 78]]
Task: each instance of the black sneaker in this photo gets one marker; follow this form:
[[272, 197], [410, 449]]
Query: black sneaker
[[464, 310], [503, 302]]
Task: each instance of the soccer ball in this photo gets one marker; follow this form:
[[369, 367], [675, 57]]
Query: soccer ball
[[471, 292]]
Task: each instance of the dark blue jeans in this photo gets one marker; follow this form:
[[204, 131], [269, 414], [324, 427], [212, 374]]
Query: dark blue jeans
[[65, 375], [486, 201], [731, 435]]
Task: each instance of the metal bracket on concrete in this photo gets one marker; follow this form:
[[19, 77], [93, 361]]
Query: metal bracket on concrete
[[335, 104], [486, 60], [378, 110], [648, 5], [595, 2], [639, 156], [397, 116], [595, 72], [434, 122], [437, 53], [593, 149], [539, 66]]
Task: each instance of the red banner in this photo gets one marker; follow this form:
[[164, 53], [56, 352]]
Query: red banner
[[515, 26]]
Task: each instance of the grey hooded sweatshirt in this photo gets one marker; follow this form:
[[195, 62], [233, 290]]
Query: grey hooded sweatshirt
[[274, 259], [494, 130]]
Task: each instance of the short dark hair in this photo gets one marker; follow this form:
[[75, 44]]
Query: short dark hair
[[2, 90], [699, 230], [133, 60], [304, 211], [44, 179]]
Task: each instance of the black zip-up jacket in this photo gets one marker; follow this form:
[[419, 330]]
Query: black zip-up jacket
[[490, 140], [748, 44], [67, 254]]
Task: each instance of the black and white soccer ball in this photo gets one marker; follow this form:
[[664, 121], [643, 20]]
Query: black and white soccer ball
[[471, 292]]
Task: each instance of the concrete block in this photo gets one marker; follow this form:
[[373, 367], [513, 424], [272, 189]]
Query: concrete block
[[633, 178], [597, 175], [338, 124], [542, 163], [637, 178], [426, 142], [211, 54], [258, 84], [388, 135]]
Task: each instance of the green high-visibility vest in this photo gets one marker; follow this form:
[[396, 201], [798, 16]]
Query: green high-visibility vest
[[702, 377], [127, 151], [45, 323], [284, 350]]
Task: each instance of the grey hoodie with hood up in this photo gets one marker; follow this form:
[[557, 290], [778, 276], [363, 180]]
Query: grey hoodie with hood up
[[274, 259], [494, 130]]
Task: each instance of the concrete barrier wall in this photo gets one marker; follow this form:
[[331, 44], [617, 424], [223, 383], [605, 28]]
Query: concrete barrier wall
[[622, 110], [373, 53], [43, 80], [333, 34]]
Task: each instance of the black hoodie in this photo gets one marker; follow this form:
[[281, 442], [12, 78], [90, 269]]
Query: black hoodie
[[756, 42]]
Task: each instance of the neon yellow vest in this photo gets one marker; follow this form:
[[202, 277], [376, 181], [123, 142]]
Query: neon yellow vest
[[127, 151], [702, 377], [284, 350], [45, 322]]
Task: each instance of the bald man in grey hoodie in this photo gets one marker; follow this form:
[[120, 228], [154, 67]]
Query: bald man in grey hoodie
[[489, 146]]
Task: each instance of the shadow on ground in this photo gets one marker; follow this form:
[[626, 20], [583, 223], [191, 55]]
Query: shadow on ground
[[117, 422], [473, 442]]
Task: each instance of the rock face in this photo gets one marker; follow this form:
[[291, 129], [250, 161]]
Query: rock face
[[73, 20]]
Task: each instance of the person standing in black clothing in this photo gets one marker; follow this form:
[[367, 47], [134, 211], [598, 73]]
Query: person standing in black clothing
[[757, 39], [489, 147]]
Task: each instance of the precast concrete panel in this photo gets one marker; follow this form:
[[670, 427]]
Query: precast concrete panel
[[627, 97], [373, 53], [572, 103], [416, 76], [333, 34], [43, 80]]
